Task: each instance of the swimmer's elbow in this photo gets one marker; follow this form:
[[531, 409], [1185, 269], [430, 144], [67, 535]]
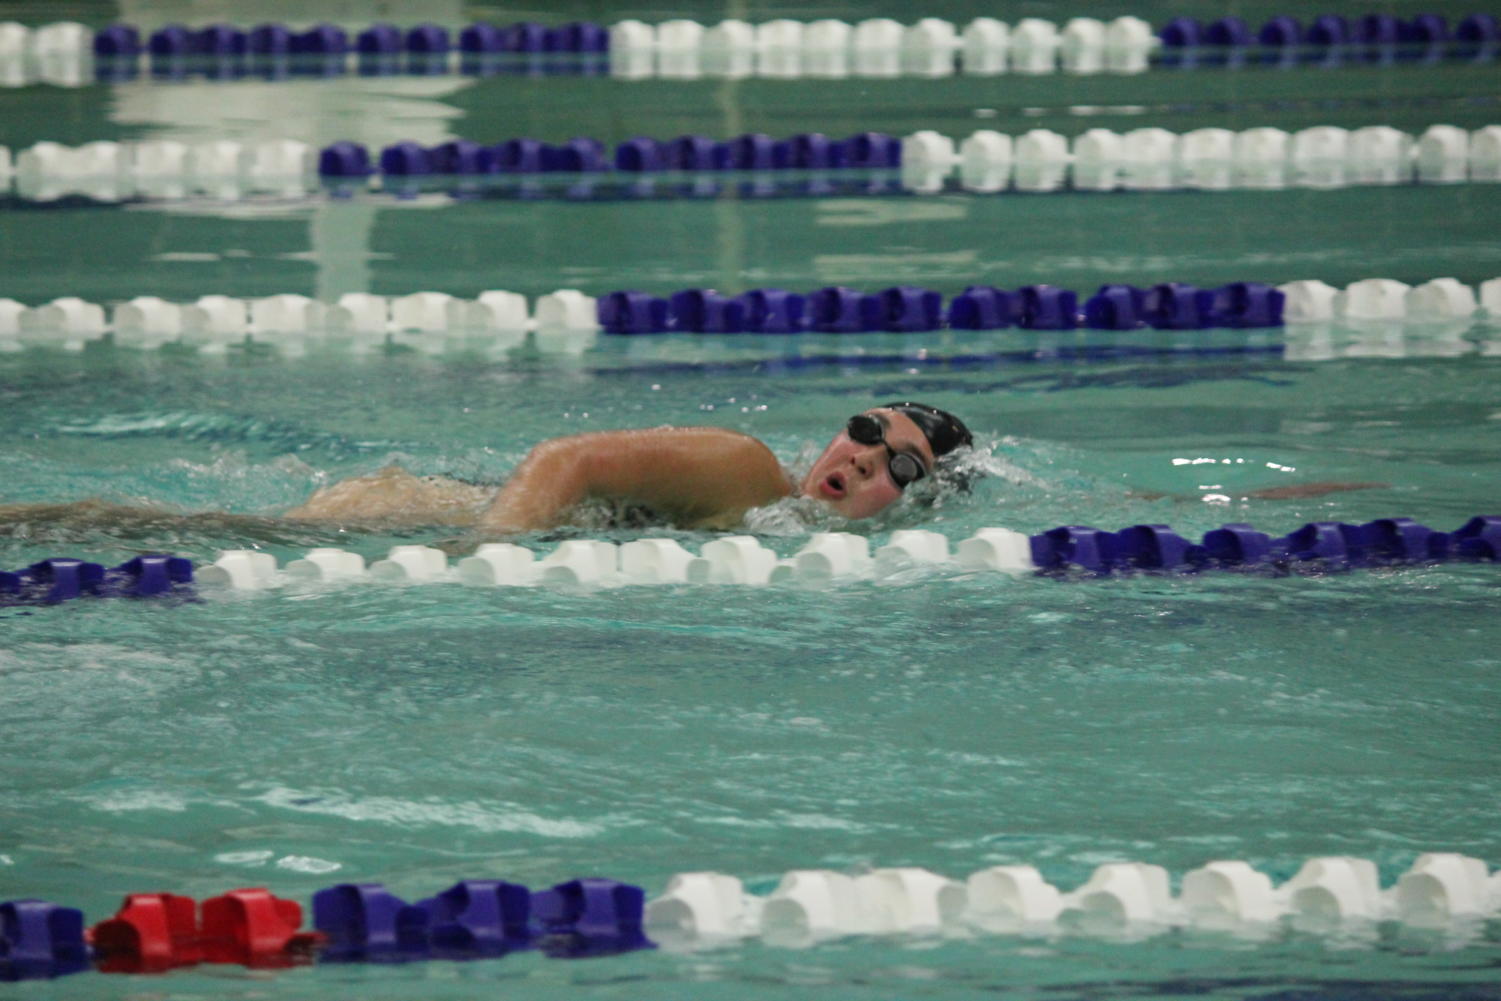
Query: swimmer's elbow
[[551, 479]]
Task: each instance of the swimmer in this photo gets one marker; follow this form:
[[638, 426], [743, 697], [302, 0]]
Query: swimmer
[[691, 477]]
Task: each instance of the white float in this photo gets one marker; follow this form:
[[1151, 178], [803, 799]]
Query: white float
[[1372, 299], [1308, 301], [358, 313], [779, 48], [633, 46], [1081, 45], [217, 168], [15, 45], [1442, 887], [412, 564], [1443, 155], [1097, 160], [826, 48], [911, 547], [159, 168], [1490, 298], [927, 160], [10, 320], [1380, 154], [704, 908], [63, 53], [1041, 161], [97, 170], [655, 561], [1334, 889], [729, 49], [680, 54], [810, 905], [286, 313], [327, 564], [1320, 156], [68, 323], [631, 36], [567, 309], [830, 555], [679, 35], [240, 569], [285, 167], [996, 549], [146, 318], [1261, 158], [903, 901], [214, 321], [1034, 46], [1485, 154], [734, 559], [928, 47], [421, 311], [44, 171], [498, 564], [1007, 899], [1149, 159], [1206, 159], [876, 47], [985, 161], [580, 562], [1120, 896], [985, 47], [490, 311], [1228, 894], [1440, 300], [1129, 42]]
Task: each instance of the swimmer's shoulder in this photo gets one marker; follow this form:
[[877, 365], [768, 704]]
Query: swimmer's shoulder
[[724, 443], [718, 473]]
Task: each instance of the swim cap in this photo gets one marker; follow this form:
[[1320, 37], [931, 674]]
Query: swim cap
[[944, 431]]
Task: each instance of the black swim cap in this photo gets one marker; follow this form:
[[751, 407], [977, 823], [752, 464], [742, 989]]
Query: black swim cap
[[944, 431]]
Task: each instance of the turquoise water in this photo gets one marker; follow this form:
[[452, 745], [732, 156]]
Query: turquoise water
[[420, 735]]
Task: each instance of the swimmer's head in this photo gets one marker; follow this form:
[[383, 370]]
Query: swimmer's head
[[879, 454]]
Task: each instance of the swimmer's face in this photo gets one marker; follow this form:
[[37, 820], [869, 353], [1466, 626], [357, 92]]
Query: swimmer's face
[[854, 479]]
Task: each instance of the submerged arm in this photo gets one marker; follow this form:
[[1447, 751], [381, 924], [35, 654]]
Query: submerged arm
[[1293, 491], [691, 475]]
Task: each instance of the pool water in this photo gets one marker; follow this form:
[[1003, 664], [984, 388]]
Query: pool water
[[420, 735]]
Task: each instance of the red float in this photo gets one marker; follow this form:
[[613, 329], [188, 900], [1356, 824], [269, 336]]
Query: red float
[[155, 932], [151, 933]]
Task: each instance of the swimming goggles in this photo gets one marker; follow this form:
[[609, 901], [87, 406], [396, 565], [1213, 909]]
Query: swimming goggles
[[904, 467]]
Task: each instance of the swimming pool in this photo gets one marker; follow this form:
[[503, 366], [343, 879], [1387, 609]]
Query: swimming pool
[[421, 735]]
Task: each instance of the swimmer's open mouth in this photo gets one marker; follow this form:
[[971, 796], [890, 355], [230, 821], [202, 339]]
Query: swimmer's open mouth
[[833, 486]]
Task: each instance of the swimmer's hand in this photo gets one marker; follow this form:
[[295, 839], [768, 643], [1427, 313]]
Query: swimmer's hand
[[692, 476]]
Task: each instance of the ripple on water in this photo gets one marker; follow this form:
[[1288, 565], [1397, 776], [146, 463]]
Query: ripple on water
[[496, 817]]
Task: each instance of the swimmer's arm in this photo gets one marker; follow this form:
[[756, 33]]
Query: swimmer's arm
[[692, 475], [1300, 491]]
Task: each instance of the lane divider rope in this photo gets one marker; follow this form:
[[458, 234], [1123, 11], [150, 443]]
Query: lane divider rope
[[757, 165], [69, 54], [843, 557], [478, 918], [568, 320], [827, 559]]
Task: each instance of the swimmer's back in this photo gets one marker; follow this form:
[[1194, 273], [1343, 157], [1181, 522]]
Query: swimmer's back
[[393, 496]]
